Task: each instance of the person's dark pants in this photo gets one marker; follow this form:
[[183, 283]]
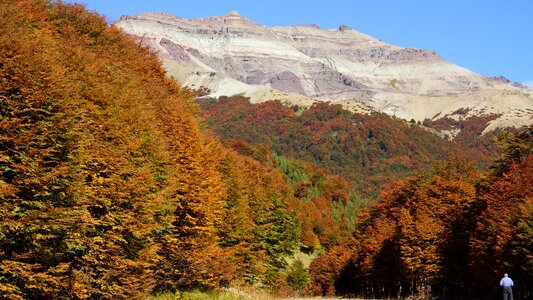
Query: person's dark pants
[[507, 293]]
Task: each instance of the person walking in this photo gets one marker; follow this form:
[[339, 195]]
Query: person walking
[[506, 283]]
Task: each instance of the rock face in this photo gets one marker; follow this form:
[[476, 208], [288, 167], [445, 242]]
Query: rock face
[[232, 55]]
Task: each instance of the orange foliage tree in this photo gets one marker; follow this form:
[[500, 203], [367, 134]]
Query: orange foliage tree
[[502, 243], [434, 226], [105, 178], [412, 238], [451, 233], [257, 224]]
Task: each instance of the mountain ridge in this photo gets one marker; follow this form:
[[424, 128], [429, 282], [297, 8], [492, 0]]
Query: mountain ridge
[[300, 64]]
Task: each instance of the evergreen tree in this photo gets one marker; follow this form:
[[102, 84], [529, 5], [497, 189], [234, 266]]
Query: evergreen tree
[[297, 275]]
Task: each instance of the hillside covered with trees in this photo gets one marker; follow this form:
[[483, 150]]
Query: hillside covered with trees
[[369, 150], [109, 188], [451, 232], [116, 184]]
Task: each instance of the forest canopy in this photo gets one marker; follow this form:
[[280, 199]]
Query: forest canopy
[[116, 184]]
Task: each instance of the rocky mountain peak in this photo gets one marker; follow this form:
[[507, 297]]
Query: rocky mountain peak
[[234, 13], [232, 55], [344, 28]]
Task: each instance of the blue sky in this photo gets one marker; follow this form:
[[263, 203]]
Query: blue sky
[[491, 37]]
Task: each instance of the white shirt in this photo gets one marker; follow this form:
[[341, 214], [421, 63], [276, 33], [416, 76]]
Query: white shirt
[[506, 281]]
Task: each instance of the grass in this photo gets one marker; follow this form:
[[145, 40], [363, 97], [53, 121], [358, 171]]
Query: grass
[[394, 83], [230, 294], [196, 295]]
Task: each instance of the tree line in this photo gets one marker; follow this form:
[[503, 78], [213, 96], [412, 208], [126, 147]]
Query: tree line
[[109, 187], [452, 233]]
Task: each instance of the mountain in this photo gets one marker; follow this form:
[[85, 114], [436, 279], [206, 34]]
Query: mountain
[[230, 54]]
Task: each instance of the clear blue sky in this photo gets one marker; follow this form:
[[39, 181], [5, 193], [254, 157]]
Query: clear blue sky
[[491, 37]]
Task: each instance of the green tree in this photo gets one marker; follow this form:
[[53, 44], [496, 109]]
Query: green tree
[[514, 146], [297, 275]]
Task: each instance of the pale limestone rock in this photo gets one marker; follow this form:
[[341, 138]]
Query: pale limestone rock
[[300, 64]]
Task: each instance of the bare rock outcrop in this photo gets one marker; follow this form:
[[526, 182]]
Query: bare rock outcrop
[[303, 63]]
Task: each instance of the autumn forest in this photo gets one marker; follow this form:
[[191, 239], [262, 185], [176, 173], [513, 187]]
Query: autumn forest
[[117, 183]]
